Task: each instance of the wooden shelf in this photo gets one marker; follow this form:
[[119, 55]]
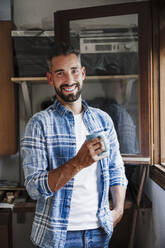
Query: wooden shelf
[[28, 79], [25, 207], [131, 76], [44, 79], [10, 188]]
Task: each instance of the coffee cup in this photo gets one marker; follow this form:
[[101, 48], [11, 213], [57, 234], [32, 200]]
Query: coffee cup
[[98, 134]]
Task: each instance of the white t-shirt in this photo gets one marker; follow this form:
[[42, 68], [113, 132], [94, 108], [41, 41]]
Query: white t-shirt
[[85, 196]]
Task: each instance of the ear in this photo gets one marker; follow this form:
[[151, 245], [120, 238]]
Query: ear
[[49, 78], [83, 72]]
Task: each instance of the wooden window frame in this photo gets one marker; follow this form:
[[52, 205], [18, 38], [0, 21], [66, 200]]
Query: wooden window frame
[[157, 172], [144, 15]]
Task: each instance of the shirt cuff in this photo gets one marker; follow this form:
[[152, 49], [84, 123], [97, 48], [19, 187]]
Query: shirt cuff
[[42, 184]]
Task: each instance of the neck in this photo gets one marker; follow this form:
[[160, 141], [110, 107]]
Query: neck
[[75, 107]]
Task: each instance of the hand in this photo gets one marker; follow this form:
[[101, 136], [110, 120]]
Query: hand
[[117, 215], [89, 152]]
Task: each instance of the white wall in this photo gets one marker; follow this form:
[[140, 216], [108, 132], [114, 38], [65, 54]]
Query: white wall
[[39, 13], [157, 195]]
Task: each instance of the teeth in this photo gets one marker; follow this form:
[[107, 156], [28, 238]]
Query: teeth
[[69, 89]]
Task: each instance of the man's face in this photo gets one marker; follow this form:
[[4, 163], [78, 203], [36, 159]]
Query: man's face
[[67, 76]]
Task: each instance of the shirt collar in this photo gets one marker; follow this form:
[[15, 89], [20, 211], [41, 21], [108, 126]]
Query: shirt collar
[[62, 110]]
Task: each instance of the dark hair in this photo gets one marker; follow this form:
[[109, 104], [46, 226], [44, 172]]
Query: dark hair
[[58, 49]]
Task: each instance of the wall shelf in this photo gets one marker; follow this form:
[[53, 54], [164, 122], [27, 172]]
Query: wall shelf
[[44, 79], [28, 79], [11, 188]]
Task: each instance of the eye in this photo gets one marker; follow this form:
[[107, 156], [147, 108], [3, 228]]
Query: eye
[[76, 71], [59, 74]]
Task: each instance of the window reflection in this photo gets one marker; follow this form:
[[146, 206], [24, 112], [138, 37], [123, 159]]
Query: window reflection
[[109, 51], [113, 103]]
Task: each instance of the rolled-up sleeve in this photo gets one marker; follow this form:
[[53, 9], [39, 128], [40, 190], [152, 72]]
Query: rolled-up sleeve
[[34, 160], [116, 168]]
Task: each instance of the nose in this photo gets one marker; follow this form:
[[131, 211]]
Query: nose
[[69, 77]]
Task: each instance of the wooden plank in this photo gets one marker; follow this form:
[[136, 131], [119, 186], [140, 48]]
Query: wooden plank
[[141, 187], [25, 207], [28, 79], [8, 143], [155, 79], [44, 79], [12, 188], [162, 80]]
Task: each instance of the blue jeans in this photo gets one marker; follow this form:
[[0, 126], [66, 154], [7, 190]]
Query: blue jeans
[[95, 238]]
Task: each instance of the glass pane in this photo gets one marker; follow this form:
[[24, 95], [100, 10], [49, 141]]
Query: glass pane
[[109, 51]]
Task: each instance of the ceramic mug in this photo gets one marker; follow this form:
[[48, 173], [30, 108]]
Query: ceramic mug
[[98, 134]]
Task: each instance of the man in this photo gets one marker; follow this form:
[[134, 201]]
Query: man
[[68, 176]]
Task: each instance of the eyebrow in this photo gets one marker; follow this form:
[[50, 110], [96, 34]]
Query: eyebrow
[[60, 70]]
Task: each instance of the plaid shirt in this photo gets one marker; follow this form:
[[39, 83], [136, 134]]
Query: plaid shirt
[[50, 141]]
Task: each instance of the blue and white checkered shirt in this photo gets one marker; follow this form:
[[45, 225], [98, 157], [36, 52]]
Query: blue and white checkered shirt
[[49, 141]]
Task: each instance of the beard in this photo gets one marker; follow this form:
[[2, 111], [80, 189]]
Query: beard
[[69, 97]]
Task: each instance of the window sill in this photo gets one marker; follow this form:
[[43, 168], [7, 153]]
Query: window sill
[[157, 174]]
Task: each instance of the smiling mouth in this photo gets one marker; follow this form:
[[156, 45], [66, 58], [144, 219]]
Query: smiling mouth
[[68, 88], [69, 93]]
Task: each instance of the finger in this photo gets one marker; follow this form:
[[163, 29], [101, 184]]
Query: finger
[[99, 145], [102, 155], [93, 144], [102, 145], [98, 151], [96, 146], [94, 141]]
